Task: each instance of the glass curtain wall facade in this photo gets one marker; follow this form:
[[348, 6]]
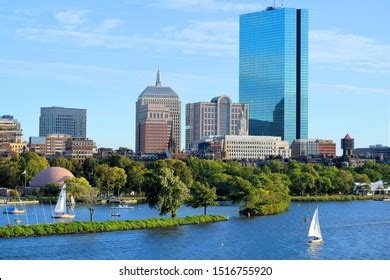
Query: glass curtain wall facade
[[274, 72]]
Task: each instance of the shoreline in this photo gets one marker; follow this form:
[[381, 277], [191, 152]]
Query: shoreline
[[106, 226], [335, 198]]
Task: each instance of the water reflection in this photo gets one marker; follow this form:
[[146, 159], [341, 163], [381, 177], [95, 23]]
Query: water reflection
[[314, 250]]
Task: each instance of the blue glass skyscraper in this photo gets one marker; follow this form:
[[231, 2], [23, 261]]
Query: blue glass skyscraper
[[274, 71]]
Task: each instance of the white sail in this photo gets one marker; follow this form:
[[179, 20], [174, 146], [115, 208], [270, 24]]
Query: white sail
[[72, 204], [315, 230], [61, 202]]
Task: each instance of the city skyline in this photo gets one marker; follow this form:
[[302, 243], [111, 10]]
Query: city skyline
[[77, 55]]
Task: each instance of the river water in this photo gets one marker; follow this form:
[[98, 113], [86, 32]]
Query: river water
[[351, 230]]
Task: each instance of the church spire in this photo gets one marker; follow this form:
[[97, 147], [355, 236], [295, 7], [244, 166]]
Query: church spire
[[158, 80]]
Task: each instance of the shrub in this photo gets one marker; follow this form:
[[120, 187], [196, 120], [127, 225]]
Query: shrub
[[86, 227]]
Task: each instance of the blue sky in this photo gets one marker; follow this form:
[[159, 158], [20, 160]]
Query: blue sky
[[100, 55]]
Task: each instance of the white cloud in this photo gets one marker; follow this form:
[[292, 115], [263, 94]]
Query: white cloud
[[108, 24], [348, 52], [331, 49], [209, 5], [71, 19], [214, 38], [348, 89]]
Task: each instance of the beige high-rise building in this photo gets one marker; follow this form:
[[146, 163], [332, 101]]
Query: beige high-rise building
[[163, 97], [220, 117], [10, 130]]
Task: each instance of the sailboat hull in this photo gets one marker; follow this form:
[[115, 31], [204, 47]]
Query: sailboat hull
[[64, 216], [316, 241], [14, 212]]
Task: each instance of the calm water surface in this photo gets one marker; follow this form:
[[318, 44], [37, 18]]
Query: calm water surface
[[352, 230]]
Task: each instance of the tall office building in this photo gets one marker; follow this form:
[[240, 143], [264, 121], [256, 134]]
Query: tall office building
[[154, 128], [165, 97], [10, 130], [59, 120], [274, 71], [218, 117]]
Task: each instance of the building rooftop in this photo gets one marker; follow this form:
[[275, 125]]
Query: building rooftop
[[158, 90]]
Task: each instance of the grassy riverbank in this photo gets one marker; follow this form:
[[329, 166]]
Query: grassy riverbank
[[107, 226], [333, 198]]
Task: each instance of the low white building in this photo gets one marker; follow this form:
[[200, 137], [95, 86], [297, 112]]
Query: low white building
[[376, 188], [236, 147]]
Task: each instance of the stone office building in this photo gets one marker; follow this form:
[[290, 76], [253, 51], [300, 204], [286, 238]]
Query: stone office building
[[220, 117]]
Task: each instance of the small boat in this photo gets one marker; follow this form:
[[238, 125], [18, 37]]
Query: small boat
[[122, 207], [13, 211], [60, 209], [315, 230], [115, 215], [17, 221], [386, 199]]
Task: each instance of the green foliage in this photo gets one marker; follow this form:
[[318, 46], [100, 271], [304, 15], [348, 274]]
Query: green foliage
[[89, 170], [85, 227], [9, 173], [166, 192], [51, 190], [33, 164], [110, 178], [79, 188], [202, 196]]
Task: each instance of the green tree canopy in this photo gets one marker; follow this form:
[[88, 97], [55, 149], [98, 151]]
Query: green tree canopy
[[166, 192], [110, 179], [202, 196], [79, 188]]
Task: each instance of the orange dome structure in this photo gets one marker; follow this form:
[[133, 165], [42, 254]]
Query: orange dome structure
[[56, 175]]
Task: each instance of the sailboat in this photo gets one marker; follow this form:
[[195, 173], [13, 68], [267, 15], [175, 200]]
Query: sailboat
[[315, 230], [72, 205], [60, 209], [13, 210]]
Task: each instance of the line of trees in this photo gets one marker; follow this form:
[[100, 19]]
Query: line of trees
[[168, 184]]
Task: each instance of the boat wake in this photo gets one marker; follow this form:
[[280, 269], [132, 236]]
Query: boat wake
[[360, 224]]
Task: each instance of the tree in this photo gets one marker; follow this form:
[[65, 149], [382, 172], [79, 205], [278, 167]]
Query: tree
[[110, 178], [202, 196], [9, 173], [222, 182], [178, 167], [34, 164], [302, 182], [165, 191], [275, 166], [90, 198], [344, 182], [136, 176], [78, 187], [89, 170]]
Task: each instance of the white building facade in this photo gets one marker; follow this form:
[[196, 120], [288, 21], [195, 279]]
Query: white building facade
[[238, 147]]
